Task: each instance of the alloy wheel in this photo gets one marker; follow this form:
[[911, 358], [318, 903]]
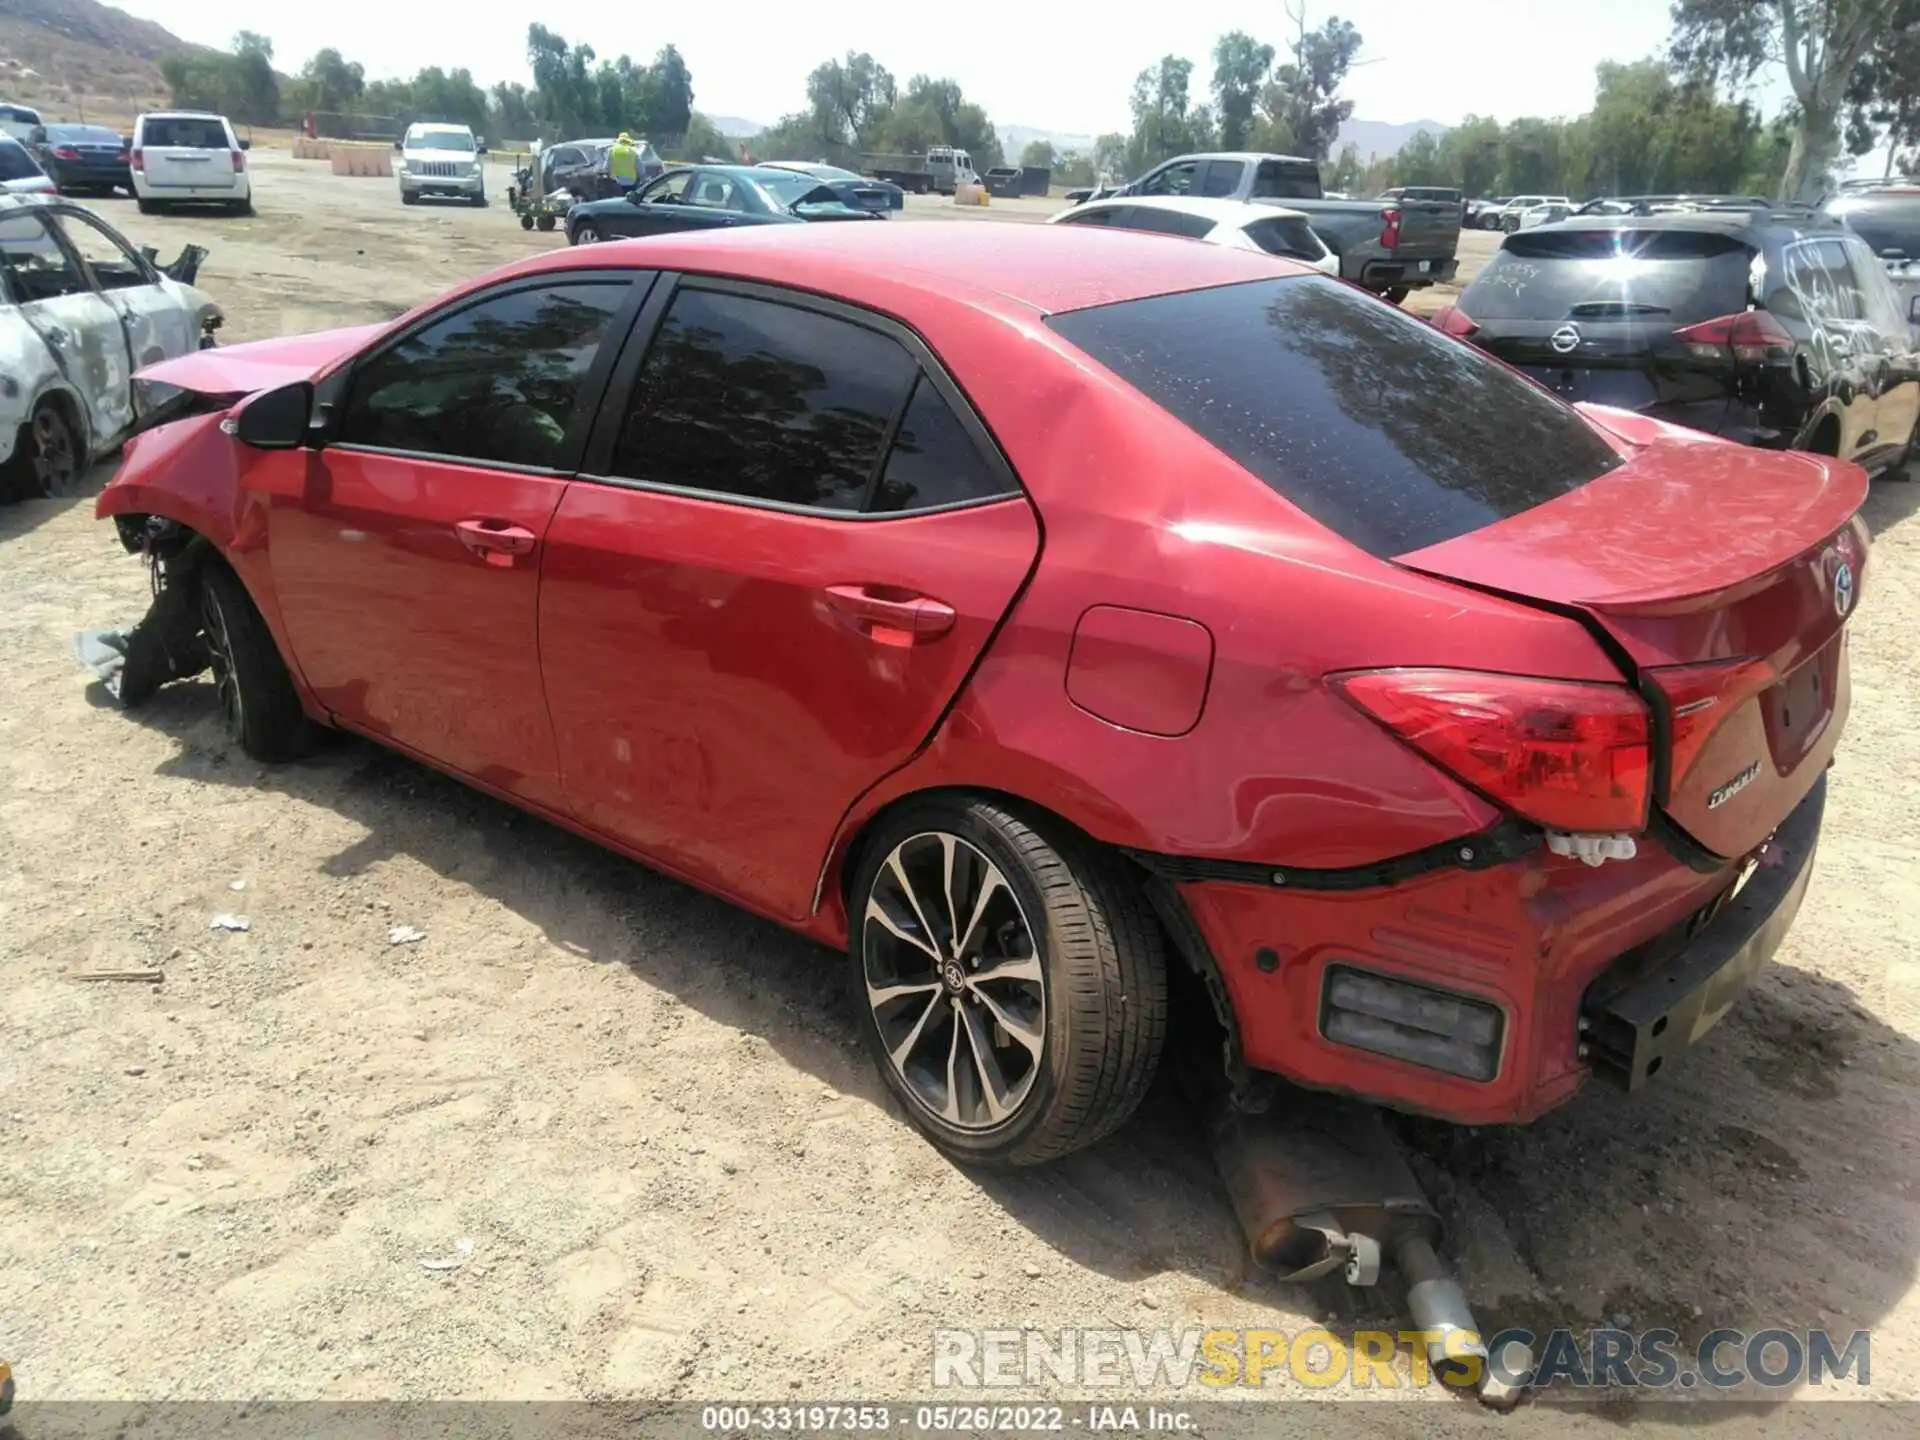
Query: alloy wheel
[[586, 235], [954, 980], [213, 622], [55, 462]]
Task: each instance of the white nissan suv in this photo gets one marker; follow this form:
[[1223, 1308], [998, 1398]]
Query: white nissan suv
[[441, 160]]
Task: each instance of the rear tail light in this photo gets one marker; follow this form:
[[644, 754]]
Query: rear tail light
[[1699, 697], [1454, 321], [239, 162], [139, 160], [1753, 336], [1439, 1029], [1390, 229], [65, 152], [1564, 754]]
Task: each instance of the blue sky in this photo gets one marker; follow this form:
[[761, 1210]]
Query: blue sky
[[1065, 67]]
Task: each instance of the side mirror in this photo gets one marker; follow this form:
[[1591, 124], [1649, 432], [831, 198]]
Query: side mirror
[[480, 143], [633, 197], [1893, 252], [278, 419]]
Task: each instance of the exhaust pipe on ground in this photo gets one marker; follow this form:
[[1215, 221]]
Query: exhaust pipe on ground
[[1320, 1186]]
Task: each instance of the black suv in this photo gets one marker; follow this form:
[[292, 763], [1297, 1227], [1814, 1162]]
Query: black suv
[[1775, 328]]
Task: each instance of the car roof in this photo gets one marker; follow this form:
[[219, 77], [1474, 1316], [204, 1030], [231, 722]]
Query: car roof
[[1036, 268], [1221, 212], [181, 115], [439, 125], [1238, 155]]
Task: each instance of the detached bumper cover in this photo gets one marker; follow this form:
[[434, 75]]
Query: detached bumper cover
[[1660, 1000]]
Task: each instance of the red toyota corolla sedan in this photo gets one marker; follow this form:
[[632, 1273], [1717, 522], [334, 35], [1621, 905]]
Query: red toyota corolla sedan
[[1031, 610]]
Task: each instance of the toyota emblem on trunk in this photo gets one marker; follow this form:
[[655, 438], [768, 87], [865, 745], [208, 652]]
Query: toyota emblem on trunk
[[1843, 588], [1565, 340]]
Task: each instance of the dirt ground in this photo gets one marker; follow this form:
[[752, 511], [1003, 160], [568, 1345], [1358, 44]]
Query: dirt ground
[[598, 1135]]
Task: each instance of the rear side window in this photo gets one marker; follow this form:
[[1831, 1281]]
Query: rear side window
[[1166, 222], [1277, 180], [495, 383], [1684, 275], [183, 133], [1287, 236], [934, 461], [765, 401], [15, 162], [1110, 216], [1370, 421]]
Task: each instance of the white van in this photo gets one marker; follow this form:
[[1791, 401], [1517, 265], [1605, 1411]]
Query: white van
[[18, 121], [189, 157]]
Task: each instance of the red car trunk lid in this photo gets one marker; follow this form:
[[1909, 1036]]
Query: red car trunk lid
[[1725, 577]]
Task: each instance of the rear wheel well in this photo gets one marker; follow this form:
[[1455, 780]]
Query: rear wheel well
[[1825, 439], [69, 411], [1202, 1017]]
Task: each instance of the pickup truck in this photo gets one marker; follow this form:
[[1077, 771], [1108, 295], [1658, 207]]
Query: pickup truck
[[1388, 246]]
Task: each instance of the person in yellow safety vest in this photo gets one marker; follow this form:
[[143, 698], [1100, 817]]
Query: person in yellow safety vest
[[623, 163]]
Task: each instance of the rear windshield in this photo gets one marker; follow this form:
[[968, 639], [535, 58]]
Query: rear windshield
[[1287, 235], [183, 133], [1885, 224], [1375, 424], [82, 135], [15, 163], [1568, 274]]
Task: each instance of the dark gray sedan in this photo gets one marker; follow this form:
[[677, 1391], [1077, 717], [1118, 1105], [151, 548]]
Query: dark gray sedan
[[710, 197]]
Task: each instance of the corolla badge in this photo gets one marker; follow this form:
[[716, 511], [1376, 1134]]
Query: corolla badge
[[1565, 340], [1843, 589], [1734, 786]]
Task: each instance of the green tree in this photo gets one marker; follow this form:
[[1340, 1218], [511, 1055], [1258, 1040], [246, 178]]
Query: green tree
[[1302, 106], [1348, 174], [256, 88], [702, 141], [852, 98], [1420, 161], [331, 82], [1110, 156], [1470, 155], [1241, 65], [1818, 44], [1040, 155], [1165, 122]]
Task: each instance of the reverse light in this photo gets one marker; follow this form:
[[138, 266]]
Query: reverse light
[[1565, 754], [1452, 320], [1439, 1029], [1390, 230], [1753, 337]]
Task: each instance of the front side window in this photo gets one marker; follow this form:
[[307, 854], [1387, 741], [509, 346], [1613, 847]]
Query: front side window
[[748, 397], [495, 383], [36, 266], [1370, 421], [1222, 178], [668, 189], [1274, 180], [113, 264], [1174, 180]]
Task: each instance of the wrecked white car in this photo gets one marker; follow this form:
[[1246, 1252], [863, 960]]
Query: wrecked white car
[[80, 311]]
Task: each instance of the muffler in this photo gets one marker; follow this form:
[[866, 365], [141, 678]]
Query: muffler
[[1319, 1185]]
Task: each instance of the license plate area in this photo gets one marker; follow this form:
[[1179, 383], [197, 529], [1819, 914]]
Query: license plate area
[[1797, 709]]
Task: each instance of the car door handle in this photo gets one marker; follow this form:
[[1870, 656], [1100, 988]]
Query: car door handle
[[893, 610], [495, 541]]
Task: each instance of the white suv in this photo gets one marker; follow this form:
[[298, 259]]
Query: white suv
[[441, 160], [191, 157]]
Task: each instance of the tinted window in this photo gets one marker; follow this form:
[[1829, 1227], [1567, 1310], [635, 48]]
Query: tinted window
[[1889, 223], [1286, 235], [1370, 421], [1166, 222], [934, 460], [1275, 180], [81, 134], [1112, 215], [496, 382], [1592, 274], [1222, 178], [184, 133], [35, 265], [15, 162], [771, 402], [1820, 283]]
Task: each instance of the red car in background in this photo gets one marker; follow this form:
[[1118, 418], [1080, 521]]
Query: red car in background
[[1030, 610]]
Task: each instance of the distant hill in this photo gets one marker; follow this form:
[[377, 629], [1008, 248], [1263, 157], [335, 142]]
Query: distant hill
[[1375, 139], [731, 126], [69, 58]]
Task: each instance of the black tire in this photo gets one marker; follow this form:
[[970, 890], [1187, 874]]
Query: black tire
[[544, 222], [526, 222], [1396, 294], [240, 207], [1101, 978], [49, 457], [479, 202], [258, 704], [147, 207], [409, 197]]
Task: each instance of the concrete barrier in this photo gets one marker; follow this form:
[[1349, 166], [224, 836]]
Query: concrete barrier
[[970, 195], [361, 161]]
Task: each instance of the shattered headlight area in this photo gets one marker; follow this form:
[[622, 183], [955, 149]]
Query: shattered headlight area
[[168, 644]]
